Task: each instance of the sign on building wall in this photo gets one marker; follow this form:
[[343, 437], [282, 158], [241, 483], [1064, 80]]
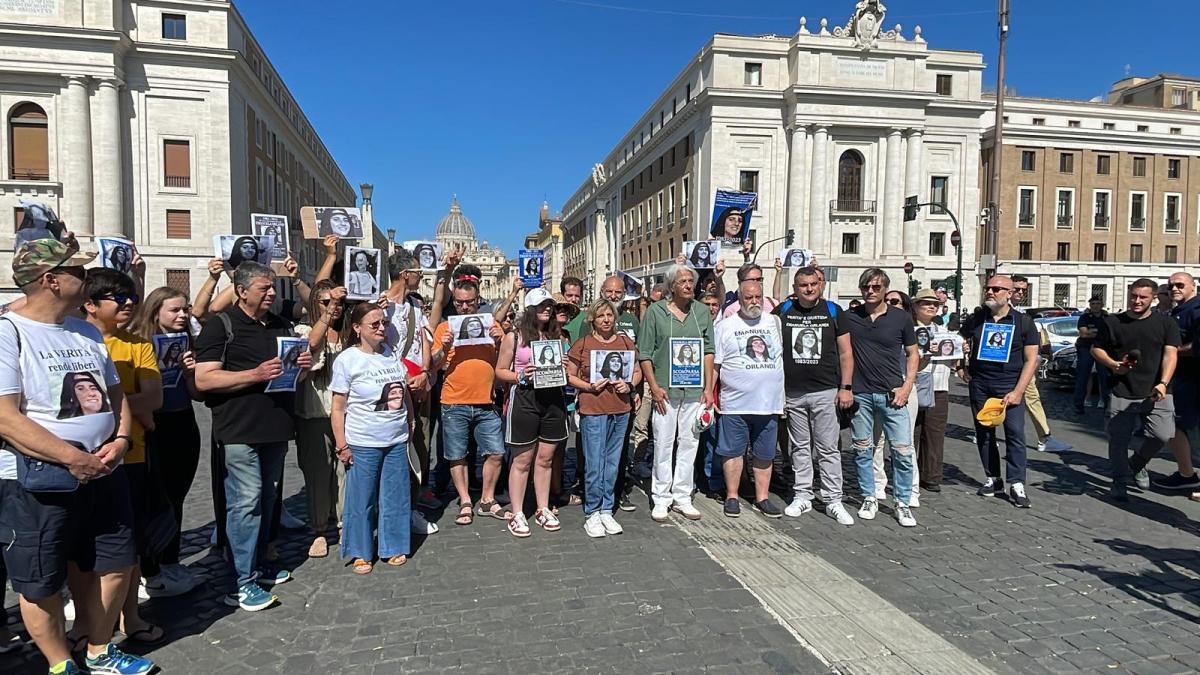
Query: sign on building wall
[[34, 7], [871, 70]]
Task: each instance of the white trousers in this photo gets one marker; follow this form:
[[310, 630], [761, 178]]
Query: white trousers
[[675, 444], [881, 480]]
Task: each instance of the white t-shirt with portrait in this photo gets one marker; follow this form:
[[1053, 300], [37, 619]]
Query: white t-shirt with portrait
[[399, 316], [374, 387], [751, 360], [63, 373]]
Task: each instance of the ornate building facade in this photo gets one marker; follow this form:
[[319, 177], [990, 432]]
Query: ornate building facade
[[458, 230]]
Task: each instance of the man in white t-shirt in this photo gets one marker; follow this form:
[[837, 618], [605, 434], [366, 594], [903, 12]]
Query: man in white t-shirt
[[749, 366], [61, 405], [408, 335]]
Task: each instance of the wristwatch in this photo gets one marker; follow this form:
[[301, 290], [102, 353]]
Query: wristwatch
[[847, 387]]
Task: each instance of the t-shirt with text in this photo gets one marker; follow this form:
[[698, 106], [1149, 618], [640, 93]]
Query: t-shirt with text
[[374, 384], [749, 352], [810, 354], [62, 373]]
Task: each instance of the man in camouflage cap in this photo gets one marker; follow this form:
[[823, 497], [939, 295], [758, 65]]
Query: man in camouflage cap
[[61, 403]]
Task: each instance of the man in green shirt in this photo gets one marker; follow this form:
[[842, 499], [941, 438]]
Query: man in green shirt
[[676, 351], [572, 289]]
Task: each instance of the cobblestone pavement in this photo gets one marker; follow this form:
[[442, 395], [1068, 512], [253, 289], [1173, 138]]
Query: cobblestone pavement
[[1077, 584]]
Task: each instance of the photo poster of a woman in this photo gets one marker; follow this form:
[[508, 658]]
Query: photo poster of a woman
[[529, 265], [82, 393], [994, 342], [472, 329], [731, 216], [391, 397], [702, 255], [546, 356], [363, 273], [236, 249], [806, 345], [796, 257], [687, 362], [428, 254], [37, 222], [633, 285], [615, 365], [116, 253], [276, 227], [289, 351], [318, 222], [945, 346], [170, 348]]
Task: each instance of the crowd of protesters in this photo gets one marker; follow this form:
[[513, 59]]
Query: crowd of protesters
[[407, 404]]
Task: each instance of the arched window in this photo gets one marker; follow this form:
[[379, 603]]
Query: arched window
[[850, 173], [29, 157]]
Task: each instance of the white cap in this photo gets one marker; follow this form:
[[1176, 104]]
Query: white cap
[[536, 297]]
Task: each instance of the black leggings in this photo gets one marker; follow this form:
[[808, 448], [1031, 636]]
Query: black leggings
[[174, 449]]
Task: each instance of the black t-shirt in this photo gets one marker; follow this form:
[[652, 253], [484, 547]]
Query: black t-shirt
[[1089, 320], [248, 415], [1121, 334], [1024, 333], [810, 354], [879, 347], [1187, 317]]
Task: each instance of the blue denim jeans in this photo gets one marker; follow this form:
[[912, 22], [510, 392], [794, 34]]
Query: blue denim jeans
[[377, 499], [712, 461], [1084, 365], [253, 477], [603, 438], [877, 409]]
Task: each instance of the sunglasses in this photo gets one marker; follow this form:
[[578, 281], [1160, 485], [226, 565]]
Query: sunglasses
[[1178, 284], [896, 302], [871, 287], [465, 303], [326, 301], [997, 289], [120, 298]]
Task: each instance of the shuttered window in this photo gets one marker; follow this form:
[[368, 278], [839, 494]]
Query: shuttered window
[[27, 139], [180, 280], [177, 160], [179, 224]]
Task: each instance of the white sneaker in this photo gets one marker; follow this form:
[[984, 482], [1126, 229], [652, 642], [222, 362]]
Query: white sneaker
[[289, 522], [422, 526], [688, 510], [659, 513], [611, 526], [869, 508], [69, 607], [798, 507], [881, 492], [593, 526], [904, 516], [1041, 446], [914, 501], [838, 511]]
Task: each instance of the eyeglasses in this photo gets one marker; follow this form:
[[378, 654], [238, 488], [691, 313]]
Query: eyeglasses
[[895, 302], [997, 289], [465, 303], [374, 324], [120, 298], [1178, 284], [752, 279], [326, 301], [871, 287]]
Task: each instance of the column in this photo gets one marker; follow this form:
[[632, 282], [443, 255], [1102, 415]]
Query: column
[[893, 202], [818, 209], [108, 160], [914, 178], [77, 164], [795, 193]]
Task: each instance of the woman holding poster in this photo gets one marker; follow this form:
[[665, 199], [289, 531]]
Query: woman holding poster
[[929, 434], [604, 406], [537, 418], [174, 442], [372, 441]]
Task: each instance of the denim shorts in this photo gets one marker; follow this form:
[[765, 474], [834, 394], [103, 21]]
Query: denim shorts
[[758, 432], [460, 420]]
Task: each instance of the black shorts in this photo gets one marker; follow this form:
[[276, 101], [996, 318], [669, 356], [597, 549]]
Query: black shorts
[[41, 531], [535, 415]]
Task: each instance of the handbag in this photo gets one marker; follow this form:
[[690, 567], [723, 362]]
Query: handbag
[[924, 390], [33, 474]]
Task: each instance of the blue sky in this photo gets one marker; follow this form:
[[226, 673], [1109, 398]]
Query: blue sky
[[509, 103]]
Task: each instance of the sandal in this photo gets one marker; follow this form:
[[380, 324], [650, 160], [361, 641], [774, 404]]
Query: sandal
[[319, 548], [465, 515], [397, 560], [146, 636], [360, 566], [491, 509]]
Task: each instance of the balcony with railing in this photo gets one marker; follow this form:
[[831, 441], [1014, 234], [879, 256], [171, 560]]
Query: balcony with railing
[[682, 212], [1100, 221], [1026, 219], [1065, 222], [178, 181], [29, 174], [1137, 224], [853, 206]]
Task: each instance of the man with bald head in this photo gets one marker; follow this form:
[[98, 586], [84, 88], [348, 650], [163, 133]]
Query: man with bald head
[[1002, 346], [613, 290], [1185, 386]]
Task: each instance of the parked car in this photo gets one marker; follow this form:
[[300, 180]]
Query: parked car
[[1048, 312], [1060, 367], [1060, 331]]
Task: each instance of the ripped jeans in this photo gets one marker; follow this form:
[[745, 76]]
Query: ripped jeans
[[877, 410]]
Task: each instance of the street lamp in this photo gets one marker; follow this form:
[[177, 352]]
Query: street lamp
[[911, 206], [367, 190]]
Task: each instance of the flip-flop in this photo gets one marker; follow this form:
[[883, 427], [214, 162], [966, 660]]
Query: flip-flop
[[145, 635], [360, 566], [397, 560]]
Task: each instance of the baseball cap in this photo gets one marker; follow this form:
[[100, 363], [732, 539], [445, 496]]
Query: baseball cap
[[704, 420], [925, 294], [992, 413], [537, 296], [35, 258]]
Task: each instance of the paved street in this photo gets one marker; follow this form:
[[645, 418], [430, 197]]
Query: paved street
[[1077, 584]]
